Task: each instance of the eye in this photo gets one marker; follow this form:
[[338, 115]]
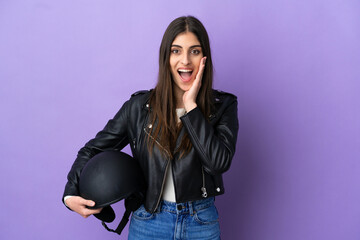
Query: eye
[[175, 51], [195, 51]]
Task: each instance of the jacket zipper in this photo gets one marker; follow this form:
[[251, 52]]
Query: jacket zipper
[[134, 143], [203, 189], [162, 186], [167, 166]]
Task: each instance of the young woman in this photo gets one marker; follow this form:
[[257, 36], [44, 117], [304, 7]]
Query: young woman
[[182, 132]]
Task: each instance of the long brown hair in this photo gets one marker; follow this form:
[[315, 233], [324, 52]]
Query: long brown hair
[[162, 100]]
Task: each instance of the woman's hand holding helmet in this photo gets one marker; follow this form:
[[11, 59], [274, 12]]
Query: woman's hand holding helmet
[[79, 205]]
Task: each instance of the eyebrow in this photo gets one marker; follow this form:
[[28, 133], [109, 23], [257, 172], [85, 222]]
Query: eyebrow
[[182, 47]]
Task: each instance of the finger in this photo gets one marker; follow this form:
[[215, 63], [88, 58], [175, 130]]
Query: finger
[[89, 203], [202, 66], [201, 70], [98, 210], [88, 212]]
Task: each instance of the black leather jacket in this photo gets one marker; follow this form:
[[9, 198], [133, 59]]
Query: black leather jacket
[[213, 138]]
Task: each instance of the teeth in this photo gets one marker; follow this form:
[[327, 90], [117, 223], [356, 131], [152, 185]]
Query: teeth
[[184, 70]]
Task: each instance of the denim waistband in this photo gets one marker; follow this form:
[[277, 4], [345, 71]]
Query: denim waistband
[[186, 207]]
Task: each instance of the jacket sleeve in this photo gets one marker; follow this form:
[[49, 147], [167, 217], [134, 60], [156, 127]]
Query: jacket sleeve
[[216, 144], [113, 136]]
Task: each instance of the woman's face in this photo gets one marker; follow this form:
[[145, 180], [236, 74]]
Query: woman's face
[[185, 57]]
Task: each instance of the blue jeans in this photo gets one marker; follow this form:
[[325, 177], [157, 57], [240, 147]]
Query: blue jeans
[[190, 220]]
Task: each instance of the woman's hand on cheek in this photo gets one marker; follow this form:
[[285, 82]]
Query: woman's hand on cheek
[[189, 96]]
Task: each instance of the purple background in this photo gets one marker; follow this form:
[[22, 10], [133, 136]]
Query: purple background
[[67, 66]]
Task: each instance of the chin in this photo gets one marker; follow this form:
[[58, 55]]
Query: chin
[[186, 86]]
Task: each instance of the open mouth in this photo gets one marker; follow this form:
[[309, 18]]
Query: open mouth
[[185, 74]]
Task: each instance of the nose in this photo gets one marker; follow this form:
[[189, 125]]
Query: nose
[[185, 59]]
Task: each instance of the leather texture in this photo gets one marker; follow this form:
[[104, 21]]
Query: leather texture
[[213, 138]]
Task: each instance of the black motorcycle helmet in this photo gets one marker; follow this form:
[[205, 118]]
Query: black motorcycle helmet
[[109, 177]]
